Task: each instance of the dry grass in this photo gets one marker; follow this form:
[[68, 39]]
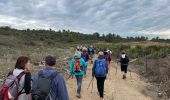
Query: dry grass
[[156, 72], [8, 59]]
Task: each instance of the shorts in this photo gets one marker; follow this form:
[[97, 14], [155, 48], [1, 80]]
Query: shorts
[[124, 68]]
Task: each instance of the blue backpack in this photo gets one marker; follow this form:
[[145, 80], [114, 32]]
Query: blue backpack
[[100, 69]]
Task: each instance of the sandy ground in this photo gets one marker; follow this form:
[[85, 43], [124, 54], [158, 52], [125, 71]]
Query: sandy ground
[[115, 87]]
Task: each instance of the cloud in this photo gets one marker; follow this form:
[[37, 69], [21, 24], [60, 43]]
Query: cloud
[[123, 17]]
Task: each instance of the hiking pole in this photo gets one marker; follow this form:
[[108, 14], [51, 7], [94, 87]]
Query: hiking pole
[[92, 87], [116, 67], [90, 83], [130, 74], [70, 76]]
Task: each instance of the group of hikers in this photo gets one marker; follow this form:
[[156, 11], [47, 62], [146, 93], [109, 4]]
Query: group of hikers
[[48, 84]]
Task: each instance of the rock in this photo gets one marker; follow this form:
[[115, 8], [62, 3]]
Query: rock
[[160, 94]]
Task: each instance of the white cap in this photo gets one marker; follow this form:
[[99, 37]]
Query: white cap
[[100, 53]]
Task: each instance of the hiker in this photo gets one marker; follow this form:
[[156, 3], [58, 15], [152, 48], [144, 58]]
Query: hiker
[[105, 52], [77, 66], [81, 48], [77, 48], [107, 55], [94, 49], [85, 56], [48, 84], [124, 60], [100, 71], [91, 52], [17, 85]]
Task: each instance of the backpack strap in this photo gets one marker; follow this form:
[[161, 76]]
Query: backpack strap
[[41, 74], [20, 75], [53, 75], [19, 78]]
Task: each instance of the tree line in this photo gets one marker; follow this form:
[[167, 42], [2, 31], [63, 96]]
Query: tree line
[[70, 36]]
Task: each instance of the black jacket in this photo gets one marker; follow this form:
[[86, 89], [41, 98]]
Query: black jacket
[[124, 61]]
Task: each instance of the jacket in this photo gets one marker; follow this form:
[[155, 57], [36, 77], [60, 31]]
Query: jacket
[[94, 66], [58, 86], [24, 83], [124, 61], [82, 62]]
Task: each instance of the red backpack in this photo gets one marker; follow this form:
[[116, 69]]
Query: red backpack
[[11, 87], [77, 66]]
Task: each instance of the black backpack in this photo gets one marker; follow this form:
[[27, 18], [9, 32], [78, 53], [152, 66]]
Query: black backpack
[[43, 87]]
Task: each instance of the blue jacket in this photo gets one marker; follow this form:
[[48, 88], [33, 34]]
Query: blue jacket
[[58, 87], [82, 62]]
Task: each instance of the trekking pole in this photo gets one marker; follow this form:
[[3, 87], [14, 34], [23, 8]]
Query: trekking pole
[[130, 74], [90, 83], [92, 87], [116, 67], [70, 76]]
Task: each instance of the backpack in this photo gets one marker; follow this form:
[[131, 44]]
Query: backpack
[[100, 69], [43, 87], [77, 66], [10, 88]]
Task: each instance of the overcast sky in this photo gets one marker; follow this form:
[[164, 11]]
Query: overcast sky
[[123, 17]]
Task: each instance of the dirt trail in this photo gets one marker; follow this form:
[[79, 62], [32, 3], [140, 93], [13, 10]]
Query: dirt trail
[[115, 87]]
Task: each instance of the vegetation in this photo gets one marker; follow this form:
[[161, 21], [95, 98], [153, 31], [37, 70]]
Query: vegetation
[[152, 62], [136, 51], [50, 36], [152, 56]]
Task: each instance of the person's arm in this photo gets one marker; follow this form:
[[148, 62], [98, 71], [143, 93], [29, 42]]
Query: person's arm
[[106, 64], [59, 89], [27, 84], [71, 66], [127, 59], [94, 66], [85, 64]]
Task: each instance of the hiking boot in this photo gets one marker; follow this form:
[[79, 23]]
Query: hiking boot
[[78, 96], [124, 77]]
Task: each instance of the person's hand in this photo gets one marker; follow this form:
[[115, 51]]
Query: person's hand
[[92, 77]]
